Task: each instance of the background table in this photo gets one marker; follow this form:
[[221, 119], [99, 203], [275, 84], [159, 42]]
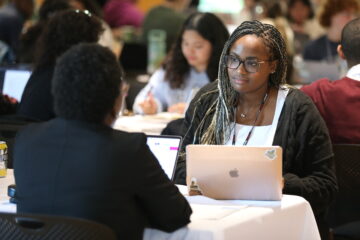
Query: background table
[[288, 219], [149, 124]]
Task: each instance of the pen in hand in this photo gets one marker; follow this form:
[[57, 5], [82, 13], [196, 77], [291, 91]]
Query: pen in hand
[[149, 105]]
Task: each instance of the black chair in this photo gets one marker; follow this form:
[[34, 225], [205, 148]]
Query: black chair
[[9, 126], [41, 227], [344, 214]]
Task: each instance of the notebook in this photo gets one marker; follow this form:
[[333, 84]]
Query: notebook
[[235, 172], [166, 149], [13, 80]]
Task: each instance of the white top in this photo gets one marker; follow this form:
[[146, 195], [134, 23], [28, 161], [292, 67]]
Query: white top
[[261, 135], [166, 96], [354, 72]]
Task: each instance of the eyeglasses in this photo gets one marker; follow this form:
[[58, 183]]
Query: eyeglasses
[[251, 65]]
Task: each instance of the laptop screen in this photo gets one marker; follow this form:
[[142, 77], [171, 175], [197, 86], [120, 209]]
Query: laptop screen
[[13, 81], [165, 149]]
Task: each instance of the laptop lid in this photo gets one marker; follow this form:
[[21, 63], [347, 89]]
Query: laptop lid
[[235, 172], [166, 150], [13, 80]]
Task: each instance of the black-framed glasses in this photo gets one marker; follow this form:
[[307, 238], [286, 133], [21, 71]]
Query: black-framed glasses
[[251, 65]]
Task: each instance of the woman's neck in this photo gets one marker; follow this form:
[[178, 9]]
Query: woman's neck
[[200, 68], [252, 98]]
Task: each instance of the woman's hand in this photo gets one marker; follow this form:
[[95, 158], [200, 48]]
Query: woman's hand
[[177, 108], [149, 106]]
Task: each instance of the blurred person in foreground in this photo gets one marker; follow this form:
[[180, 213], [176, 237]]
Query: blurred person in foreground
[[77, 165], [250, 105], [339, 101]]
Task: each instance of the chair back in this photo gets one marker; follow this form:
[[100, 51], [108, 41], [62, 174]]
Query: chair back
[[347, 205], [41, 227]]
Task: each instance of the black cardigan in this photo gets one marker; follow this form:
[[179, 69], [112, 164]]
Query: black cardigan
[[308, 167]]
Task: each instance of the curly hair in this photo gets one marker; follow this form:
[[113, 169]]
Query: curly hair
[[210, 28], [220, 127], [332, 7], [64, 30], [86, 83]]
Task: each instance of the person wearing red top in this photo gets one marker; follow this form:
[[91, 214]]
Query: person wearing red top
[[118, 13], [339, 101]]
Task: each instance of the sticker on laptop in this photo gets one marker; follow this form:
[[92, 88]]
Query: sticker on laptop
[[270, 154]]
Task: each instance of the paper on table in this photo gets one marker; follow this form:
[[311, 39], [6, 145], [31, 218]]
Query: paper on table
[[211, 209], [211, 212]]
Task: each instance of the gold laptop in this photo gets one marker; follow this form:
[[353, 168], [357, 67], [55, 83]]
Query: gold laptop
[[235, 172]]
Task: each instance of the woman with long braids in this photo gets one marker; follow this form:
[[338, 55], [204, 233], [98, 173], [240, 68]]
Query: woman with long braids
[[250, 104]]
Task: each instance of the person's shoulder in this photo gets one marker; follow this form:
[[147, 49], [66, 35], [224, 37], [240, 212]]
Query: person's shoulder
[[312, 48], [316, 42], [157, 10], [297, 97], [131, 140], [35, 129], [158, 76], [315, 85], [321, 85], [209, 90]]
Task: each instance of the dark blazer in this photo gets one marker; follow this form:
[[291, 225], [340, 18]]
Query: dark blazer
[[37, 101], [91, 171]]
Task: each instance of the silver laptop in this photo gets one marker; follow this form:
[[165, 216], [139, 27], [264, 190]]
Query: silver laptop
[[13, 81], [166, 150], [235, 172]]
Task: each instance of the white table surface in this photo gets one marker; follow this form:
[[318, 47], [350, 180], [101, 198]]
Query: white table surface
[[288, 219], [149, 124]]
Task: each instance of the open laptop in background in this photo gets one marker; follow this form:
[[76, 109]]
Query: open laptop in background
[[235, 172], [166, 150], [13, 80]]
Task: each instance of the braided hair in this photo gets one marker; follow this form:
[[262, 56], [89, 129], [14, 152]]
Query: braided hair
[[220, 128]]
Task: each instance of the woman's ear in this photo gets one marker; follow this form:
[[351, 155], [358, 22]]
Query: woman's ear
[[340, 52], [273, 66]]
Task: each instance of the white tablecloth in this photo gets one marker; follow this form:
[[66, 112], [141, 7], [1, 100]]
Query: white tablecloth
[[149, 124], [288, 219]]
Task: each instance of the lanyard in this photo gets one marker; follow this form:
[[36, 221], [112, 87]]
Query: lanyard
[[254, 123]]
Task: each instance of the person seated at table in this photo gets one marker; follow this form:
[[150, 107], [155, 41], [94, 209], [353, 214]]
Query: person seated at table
[[29, 39], [250, 105], [336, 100], [333, 17], [77, 165], [191, 64], [64, 29]]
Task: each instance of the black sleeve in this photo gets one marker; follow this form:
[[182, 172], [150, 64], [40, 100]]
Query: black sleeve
[[312, 174], [165, 207]]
